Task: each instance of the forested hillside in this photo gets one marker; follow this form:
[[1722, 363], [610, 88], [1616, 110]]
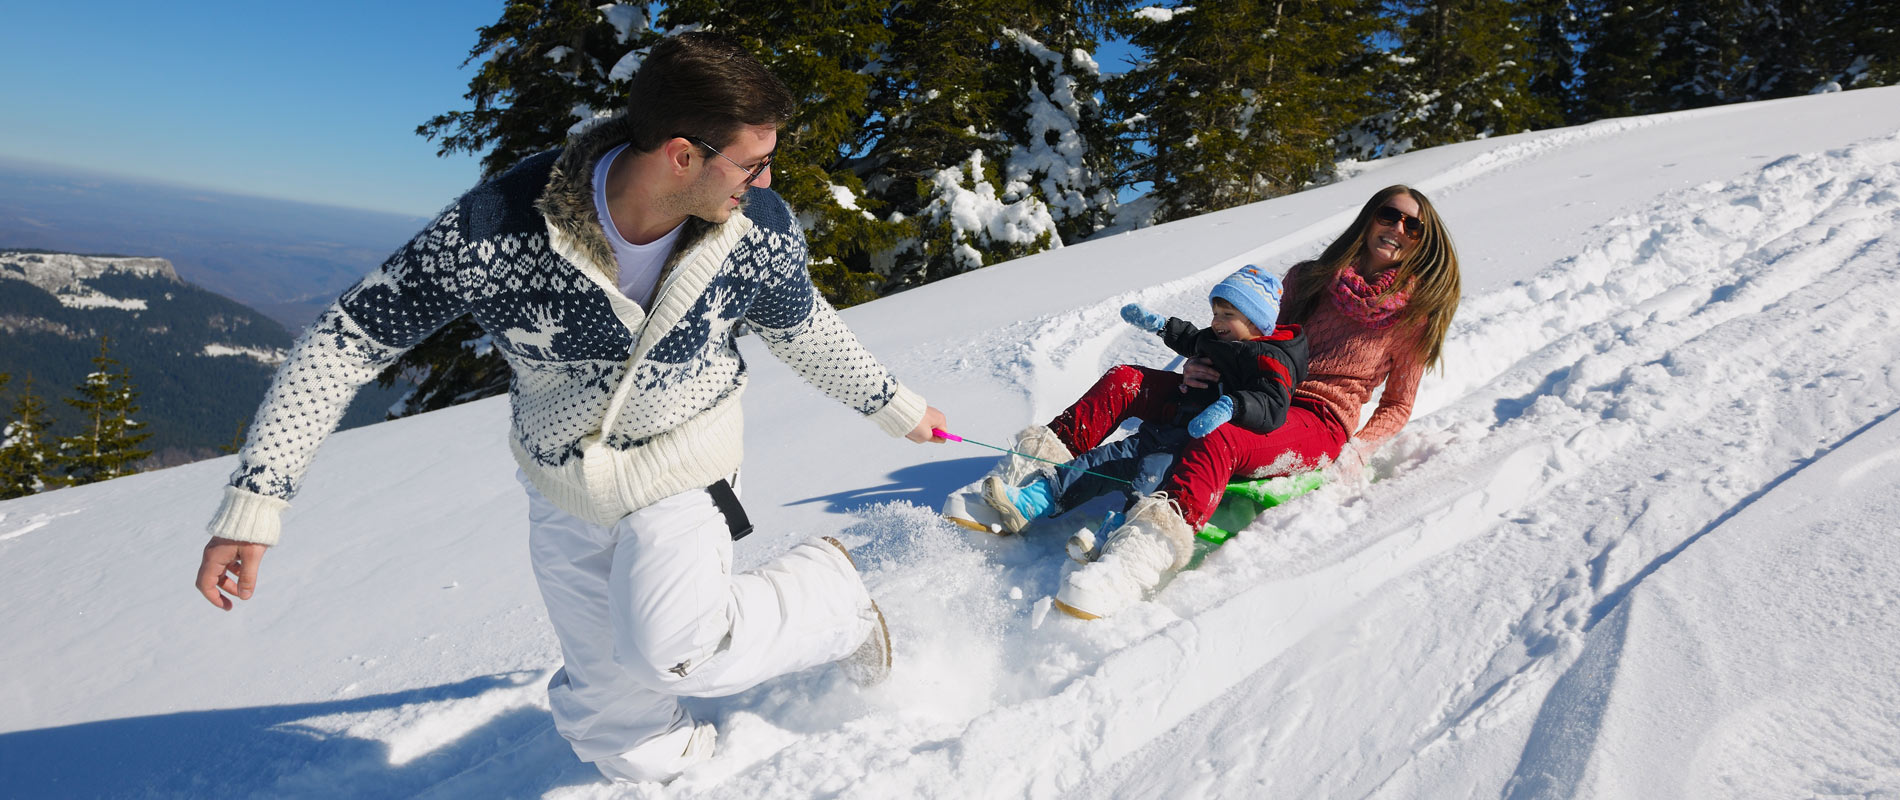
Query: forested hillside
[[198, 361], [938, 138]]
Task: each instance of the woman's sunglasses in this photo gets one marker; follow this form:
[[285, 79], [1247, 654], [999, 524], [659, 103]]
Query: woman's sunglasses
[[1412, 226]]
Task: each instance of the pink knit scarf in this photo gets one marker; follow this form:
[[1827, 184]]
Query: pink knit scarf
[[1373, 304]]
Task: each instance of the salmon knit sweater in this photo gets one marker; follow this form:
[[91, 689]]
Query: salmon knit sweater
[[1347, 363]]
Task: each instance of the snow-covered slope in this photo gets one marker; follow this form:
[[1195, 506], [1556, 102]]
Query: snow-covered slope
[[1636, 542]]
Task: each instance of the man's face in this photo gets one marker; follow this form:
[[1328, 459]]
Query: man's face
[[722, 181]]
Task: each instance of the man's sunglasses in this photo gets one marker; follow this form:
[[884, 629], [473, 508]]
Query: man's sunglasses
[[1412, 226], [751, 173]]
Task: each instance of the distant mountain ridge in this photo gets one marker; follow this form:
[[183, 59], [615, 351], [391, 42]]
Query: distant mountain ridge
[[284, 258], [200, 361]]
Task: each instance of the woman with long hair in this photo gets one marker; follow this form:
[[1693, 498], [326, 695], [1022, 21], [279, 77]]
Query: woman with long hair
[[1373, 307]]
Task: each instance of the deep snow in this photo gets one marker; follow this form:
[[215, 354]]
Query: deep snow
[[1637, 541]]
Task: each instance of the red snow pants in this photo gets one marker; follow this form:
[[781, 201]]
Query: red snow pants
[[1202, 470]]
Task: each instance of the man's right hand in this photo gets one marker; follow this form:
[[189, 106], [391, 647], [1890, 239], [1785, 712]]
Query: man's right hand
[[1198, 373], [223, 559]]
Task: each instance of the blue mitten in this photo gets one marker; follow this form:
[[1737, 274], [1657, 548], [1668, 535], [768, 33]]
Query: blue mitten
[[1214, 416], [1143, 318]]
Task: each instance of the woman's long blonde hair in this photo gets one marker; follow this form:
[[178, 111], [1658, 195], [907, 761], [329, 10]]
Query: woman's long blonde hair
[[1429, 272]]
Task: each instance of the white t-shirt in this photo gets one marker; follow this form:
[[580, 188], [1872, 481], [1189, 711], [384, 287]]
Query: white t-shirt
[[640, 264]]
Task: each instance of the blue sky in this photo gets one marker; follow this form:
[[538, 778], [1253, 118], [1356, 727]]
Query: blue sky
[[306, 101], [315, 102]]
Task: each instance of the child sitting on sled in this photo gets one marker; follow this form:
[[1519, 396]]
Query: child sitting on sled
[[1201, 429]]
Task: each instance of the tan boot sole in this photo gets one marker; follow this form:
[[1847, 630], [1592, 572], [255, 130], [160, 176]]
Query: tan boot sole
[[1073, 611], [883, 630], [841, 549], [978, 526]]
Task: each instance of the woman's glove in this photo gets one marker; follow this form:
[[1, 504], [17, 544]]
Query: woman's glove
[[1143, 318], [1350, 465], [1215, 415]]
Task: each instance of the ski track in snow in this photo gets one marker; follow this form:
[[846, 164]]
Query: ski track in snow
[[1731, 319], [1558, 387], [1753, 295], [1749, 292]]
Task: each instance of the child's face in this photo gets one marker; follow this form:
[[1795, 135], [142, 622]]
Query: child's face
[[1230, 325]]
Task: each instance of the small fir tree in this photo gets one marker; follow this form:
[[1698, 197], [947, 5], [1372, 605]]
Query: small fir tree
[[993, 143], [1552, 27], [28, 463], [1242, 100], [1622, 56], [1463, 70], [108, 444], [831, 61]]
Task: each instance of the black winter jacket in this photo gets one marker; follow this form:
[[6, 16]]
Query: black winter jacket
[[1258, 373]]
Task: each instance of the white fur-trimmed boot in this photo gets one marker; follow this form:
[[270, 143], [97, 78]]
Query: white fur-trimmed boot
[[1152, 544], [870, 664], [969, 508], [1035, 440]]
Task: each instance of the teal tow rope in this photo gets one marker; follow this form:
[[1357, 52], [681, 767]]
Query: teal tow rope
[[943, 434]]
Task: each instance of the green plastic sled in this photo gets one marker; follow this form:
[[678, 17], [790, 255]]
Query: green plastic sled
[[1244, 501]]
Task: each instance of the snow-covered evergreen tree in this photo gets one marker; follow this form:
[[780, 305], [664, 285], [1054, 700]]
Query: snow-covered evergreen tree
[[1242, 100], [1553, 31], [1642, 56], [831, 62], [1803, 46], [27, 462], [544, 67], [1463, 69], [1622, 41], [108, 442], [991, 132]]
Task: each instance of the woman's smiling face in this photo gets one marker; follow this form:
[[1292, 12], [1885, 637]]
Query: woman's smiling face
[[1387, 242]]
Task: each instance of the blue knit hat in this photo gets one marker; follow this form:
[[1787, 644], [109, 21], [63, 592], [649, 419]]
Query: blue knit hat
[[1255, 292]]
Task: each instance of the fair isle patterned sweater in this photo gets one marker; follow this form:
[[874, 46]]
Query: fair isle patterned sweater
[[613, 408]]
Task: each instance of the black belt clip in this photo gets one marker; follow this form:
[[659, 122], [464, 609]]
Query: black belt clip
[[728, 503]]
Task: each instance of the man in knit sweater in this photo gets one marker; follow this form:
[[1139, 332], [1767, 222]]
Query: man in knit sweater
[[614, 275]]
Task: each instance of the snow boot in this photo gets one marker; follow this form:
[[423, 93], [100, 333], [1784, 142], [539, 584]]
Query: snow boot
[[1016, 507], [1035, 440], [1153, 543], [870, 664], [967, 506], [642, 764], [1086, 545]]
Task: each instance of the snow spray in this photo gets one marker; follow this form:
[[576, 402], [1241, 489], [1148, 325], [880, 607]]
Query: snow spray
[[943, 434]]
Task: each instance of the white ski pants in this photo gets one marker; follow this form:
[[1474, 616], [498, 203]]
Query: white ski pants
[[648, 610]]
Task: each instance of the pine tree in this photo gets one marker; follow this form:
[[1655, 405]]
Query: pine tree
[[1242, 100], [546, 66], [829, 55], [1796, 47], [1621, 66], [991, 142], [107, 447], [453, 366], [1465, 69], [1700, 61], [27, 461], [1554, 30]]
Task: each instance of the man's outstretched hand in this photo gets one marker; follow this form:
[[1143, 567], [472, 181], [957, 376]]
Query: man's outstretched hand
[[933, 419], [225, 559]]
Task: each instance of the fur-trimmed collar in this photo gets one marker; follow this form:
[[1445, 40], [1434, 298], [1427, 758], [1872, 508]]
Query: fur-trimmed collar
[[568, 200]]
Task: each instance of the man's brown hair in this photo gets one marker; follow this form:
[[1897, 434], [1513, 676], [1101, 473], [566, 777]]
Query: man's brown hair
[[705, 87]]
